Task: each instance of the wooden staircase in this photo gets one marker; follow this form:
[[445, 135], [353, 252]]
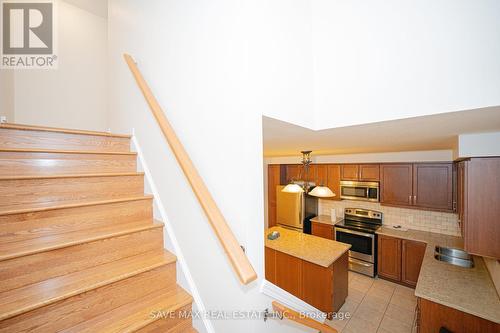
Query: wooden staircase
[[79, 248]]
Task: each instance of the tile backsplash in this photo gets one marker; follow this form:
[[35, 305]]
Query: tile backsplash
[[444, 223]]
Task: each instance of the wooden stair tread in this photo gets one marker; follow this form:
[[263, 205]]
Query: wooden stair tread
[[17, 301], [80, 250], [9, 250], [77, 309], [60, 130], [132, 317], [69, 175], [43, 206], [62, 151]]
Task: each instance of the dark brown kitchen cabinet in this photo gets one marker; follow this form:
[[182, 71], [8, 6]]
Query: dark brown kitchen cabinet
[[433, 186], [273, 180], [289, 273], [396, 184], [349, 172], [325, 288], [322, 230], [333, 180], [400, 260], [419, 185], [431, 317], [478, 205], [369, 172], [412, 255], [293, 172], [461, 189], [318, 174], [360, 172], [389, 257]]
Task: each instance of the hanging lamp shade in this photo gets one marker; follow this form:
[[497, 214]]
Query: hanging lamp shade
[[322, 192], [292, 188]]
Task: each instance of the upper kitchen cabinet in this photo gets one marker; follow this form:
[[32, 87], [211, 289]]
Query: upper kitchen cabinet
[[360, 172], [396, 184], [419, 185], [318, 174], [273, 180], [433, 186], [349, 172], [478, 205], [369, 172], [293, 172], [333, 180]]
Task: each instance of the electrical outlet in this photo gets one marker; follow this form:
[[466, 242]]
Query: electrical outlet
[[3, 119]]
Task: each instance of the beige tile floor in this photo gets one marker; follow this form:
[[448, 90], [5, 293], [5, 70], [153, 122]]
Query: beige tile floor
[[376, 306]]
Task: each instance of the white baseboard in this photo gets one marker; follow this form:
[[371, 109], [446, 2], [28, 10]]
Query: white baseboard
[[285, 298], [193, 290]]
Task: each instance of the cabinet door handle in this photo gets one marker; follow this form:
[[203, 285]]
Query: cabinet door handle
[[409, 199], [414, 199]]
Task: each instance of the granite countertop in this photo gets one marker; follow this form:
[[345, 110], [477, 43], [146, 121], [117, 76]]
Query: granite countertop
[[466, 289], [325, 219], [317, 250]]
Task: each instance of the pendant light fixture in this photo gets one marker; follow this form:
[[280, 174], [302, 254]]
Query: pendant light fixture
[[293, 188], [304, 186], [322, 192]]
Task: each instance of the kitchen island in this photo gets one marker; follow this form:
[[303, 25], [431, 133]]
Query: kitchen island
[[311, 268]]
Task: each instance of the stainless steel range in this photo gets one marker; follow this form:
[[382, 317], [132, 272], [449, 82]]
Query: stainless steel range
[[358, 229]]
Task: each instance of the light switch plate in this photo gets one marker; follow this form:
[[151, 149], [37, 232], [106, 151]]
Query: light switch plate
[[3, 119]]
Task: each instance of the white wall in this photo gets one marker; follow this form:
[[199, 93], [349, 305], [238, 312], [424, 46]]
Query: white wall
[[194, 55], [280, 56], [75, 94], [7, 94], [478, 145], [382, 60]]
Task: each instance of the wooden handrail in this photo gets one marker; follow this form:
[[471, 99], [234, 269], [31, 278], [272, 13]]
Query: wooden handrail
[[237, 257], [293, 315]]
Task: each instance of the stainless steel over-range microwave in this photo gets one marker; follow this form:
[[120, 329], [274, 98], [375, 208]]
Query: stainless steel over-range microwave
[[364, 191]]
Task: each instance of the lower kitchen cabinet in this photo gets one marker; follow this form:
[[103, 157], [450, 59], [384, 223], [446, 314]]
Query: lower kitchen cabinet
[[325, 288], [322, 230], [289, 273], [412, 254], [400, 260], [431, 317], [389, 257]]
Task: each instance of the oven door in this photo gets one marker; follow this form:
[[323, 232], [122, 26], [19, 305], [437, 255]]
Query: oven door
[[362, 244]]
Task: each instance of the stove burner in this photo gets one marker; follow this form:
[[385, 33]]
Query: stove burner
[[357, 225]]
